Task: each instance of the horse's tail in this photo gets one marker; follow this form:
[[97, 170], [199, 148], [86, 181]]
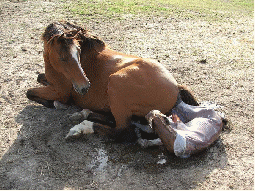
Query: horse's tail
[[187, 95]]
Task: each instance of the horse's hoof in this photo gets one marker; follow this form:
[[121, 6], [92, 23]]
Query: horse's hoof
[[60, 106], [85, 113], [85, 127], [30, 94], [75, 116], [73, 134], [42, 79], [78, 117], [143, 142]]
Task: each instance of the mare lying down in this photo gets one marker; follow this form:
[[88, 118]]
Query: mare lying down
[[188, 130]]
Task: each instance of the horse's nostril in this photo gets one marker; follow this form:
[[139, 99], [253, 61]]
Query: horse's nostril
[[84, 90], [81, 89]]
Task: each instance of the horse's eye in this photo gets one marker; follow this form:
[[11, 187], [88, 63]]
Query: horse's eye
[[63, 59]]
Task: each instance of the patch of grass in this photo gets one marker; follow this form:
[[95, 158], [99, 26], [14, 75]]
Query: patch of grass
[[207, 9]]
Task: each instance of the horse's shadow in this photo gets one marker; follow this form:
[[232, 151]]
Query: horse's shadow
[[40, 158]]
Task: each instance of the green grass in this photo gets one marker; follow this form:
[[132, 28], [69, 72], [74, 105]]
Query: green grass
[[207, 9]]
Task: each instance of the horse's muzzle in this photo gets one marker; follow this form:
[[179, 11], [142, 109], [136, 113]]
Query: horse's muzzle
[[81, 89]]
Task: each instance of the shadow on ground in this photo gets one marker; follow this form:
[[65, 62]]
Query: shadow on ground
[[40, 158]]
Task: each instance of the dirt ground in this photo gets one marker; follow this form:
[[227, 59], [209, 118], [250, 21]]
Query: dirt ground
[[215, 59]]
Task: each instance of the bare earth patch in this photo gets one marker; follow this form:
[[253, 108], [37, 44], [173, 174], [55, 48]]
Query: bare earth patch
[[214, 58]]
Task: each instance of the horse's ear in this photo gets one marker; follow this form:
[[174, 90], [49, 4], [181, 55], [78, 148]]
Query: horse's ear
[[55, 36], [91, 41], [77, 35], [60, 35], [51, 39]]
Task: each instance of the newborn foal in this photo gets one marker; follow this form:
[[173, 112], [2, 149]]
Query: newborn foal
[[190, 130]]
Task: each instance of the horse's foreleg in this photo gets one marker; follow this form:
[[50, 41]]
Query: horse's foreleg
[[47, 95], [33, 95], [122, 116], [120, 134], [106, 119], [88, 127], [121, 102]]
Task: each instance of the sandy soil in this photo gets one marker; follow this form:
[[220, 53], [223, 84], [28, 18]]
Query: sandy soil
[[214, 58]]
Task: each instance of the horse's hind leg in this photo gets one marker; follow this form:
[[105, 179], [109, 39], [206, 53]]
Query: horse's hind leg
[[122, 115], [123, 130]]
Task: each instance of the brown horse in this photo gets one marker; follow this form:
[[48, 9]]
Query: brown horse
[[80, 66]]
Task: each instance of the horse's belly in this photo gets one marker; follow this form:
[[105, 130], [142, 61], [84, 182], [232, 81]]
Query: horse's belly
[[150, 98]]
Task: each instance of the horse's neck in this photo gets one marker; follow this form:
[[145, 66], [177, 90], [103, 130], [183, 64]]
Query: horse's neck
[[94, 62], [103, 62], [97, 56]]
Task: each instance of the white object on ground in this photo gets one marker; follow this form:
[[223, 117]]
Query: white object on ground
[[149, 143]]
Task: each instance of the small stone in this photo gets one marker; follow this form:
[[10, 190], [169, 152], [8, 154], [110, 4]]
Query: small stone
[[23, 49], [203, 61]]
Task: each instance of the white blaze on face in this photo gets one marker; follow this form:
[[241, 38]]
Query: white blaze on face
[[75, 53], [74, 50]]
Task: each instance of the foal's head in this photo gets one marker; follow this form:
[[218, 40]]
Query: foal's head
[[64, 51]]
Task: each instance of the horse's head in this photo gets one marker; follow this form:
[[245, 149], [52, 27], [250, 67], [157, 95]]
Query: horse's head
[[64, 52]]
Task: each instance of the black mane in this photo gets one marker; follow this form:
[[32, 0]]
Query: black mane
[[70, 31]]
